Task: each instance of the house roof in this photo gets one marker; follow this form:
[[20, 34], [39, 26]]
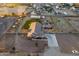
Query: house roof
[[38, 28], [35, 28]]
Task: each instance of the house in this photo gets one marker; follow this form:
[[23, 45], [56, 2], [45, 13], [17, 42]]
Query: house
[[34, 15], [35, 27]]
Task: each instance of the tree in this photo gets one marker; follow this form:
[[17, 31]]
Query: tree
[[36, 44], [13, 14]]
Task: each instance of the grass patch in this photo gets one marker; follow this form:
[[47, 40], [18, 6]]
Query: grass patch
[[28, 22]]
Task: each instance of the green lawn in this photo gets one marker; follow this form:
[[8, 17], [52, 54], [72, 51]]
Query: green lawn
[[28, 22]]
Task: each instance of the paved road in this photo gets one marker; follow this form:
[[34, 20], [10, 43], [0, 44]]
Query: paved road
[[6, 23]]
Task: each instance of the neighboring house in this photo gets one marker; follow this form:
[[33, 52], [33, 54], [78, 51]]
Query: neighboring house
[[20, 10], [47, 26]]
